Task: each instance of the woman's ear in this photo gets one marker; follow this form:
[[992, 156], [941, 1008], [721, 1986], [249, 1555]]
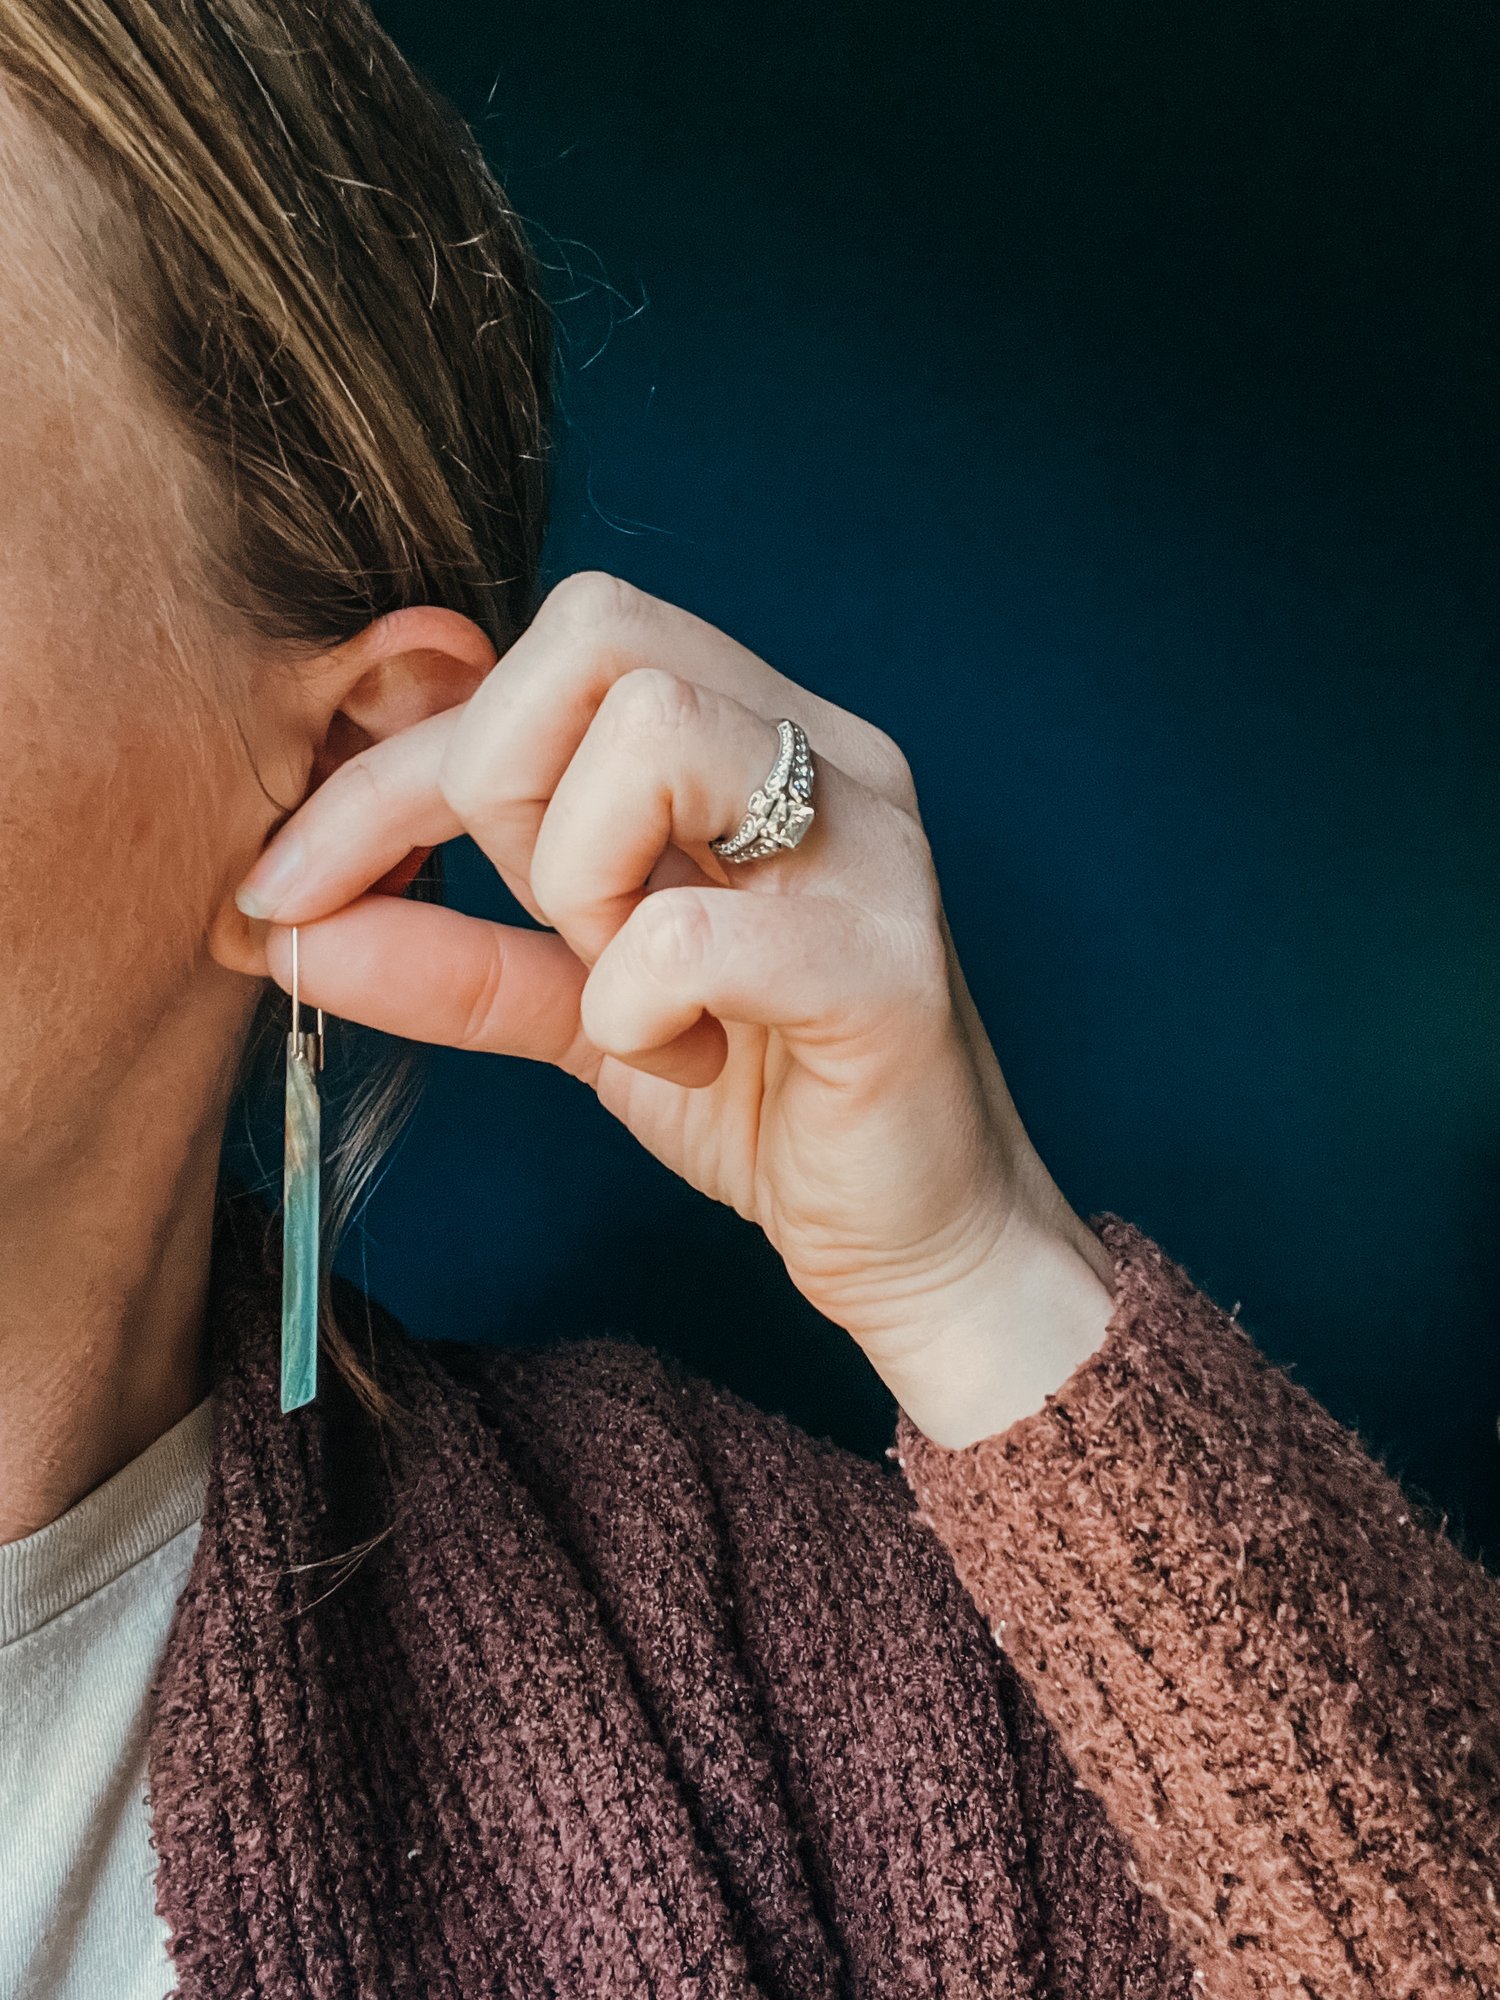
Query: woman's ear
[[394, 673], [400, 669]]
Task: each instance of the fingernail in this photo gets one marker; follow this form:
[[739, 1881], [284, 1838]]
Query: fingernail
[[272, 877]]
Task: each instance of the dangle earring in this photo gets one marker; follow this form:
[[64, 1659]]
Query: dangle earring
[[301, 1202]]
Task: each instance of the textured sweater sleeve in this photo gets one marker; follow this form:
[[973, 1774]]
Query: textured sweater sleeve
[[1281, 1679]]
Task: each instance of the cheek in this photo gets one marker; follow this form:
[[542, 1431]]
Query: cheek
[[116, 838], [128, 807]]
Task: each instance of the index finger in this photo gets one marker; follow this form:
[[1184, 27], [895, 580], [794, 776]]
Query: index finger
[[360, 824]]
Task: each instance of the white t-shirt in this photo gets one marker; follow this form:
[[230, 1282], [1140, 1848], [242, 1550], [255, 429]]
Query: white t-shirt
[[85, 1604]]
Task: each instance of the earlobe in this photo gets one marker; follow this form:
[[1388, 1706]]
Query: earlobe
[[238, 942]]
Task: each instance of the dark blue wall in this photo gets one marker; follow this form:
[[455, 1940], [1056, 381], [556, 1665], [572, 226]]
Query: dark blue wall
[[1102, 398]]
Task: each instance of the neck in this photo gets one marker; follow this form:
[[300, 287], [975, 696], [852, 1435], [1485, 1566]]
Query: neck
[[104, 1267]]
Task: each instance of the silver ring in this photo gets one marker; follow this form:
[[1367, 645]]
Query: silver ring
[[781, 810]]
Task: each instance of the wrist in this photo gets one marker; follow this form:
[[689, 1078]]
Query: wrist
[[1012, 1334]]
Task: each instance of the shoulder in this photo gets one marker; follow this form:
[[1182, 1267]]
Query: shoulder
[[621, 1403], [776, 1569], [625, 1446]]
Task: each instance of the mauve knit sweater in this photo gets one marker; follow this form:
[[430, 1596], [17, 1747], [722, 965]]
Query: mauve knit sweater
[[1166, 1691]]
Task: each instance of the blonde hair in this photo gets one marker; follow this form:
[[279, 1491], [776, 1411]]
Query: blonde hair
[[341, 312]]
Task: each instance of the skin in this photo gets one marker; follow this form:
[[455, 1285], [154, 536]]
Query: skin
[[793, 1036]]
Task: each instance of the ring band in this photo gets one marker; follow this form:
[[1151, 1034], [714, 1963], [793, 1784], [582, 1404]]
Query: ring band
[[781, 810]]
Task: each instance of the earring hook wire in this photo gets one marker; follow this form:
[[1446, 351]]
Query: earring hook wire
[[297, 1002]]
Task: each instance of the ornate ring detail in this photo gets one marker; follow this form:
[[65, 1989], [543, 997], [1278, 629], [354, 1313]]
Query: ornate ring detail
[[781, 810]]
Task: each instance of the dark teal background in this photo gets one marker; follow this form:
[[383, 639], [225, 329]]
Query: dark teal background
[[1103, 399]]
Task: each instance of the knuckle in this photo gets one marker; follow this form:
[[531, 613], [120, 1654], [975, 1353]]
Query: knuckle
[[592, 601], [649, 702], [358, 776], [917, 969], [484, 1003], [672, 927], [890, 771], [915, 953], [461, 780], [907, 872], [547, 874], [929, 970], [914, 850]]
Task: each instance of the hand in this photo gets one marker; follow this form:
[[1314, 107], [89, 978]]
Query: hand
[[793, 1035]]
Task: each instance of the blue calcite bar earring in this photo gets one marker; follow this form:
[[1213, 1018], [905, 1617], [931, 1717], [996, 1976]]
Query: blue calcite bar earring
[[300, 1206]]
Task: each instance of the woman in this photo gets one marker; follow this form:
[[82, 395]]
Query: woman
[[561, 1672]]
